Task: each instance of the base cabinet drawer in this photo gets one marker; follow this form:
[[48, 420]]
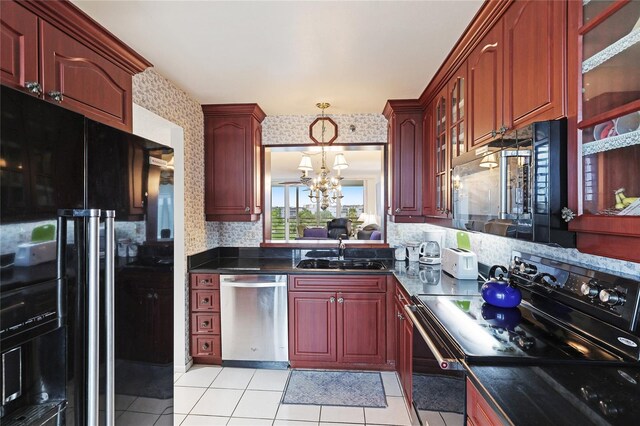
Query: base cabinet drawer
[[205, 346], [205, 323], [205, 281], [205, 300]]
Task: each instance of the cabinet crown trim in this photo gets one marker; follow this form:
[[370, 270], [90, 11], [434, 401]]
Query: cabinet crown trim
[[219, 110], [402, 105], [70, 19]]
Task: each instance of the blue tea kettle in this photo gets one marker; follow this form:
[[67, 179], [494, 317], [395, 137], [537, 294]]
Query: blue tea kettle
[[499, 292]]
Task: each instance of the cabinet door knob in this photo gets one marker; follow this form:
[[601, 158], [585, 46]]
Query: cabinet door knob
[[206, 281], [205, 346], [33, 87], [398, 210], [503, 129], [332, 299], [494, 133], [400, 316], [204, 324], [246, 209], [205, 301], [340, 300], [567, 214], [56, 96]]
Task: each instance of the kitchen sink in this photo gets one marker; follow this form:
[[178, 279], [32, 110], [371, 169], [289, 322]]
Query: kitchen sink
[[352, 264]]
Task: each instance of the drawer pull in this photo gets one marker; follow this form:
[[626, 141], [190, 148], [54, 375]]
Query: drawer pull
[[205, 301], [206, 281], [205, 346], [204, 324]]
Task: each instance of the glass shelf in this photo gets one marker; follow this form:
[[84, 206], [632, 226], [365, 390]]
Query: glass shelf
[[609, 52], [612, 142]]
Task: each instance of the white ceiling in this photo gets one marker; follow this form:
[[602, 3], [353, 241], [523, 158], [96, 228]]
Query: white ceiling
[[288, 55]]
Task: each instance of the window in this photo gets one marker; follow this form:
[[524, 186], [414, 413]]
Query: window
[[293, 216]]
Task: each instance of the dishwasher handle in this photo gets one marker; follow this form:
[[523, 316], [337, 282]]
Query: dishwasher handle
[[251, 284], [253, 281]]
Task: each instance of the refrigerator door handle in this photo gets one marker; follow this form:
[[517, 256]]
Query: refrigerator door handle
[[93, 307], [61, 247], [109, 305]]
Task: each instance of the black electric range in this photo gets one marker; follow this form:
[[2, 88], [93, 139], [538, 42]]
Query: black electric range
[[577, 329]]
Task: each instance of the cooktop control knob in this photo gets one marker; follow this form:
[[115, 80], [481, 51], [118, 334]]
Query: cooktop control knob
[[590, 289], [608, 408], [527, 269], [611, 297]]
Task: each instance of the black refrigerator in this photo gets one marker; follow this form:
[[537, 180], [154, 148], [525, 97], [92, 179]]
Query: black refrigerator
[[86, 267]]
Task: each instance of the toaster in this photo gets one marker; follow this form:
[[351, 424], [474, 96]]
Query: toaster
[[460, 263], [29, 254]]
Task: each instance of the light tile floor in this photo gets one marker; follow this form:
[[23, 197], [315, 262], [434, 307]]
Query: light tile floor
[[213, 395]]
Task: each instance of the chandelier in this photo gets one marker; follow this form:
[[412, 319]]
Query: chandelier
[[323, 188]]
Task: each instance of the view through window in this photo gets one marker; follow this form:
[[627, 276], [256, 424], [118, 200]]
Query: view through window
[[295, 216]]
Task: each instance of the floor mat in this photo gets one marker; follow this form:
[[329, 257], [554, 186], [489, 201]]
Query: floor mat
[[438, 393], [140, 379], [342, 388]]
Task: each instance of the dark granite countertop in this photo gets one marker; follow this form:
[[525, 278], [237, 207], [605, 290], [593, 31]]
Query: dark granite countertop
[[561, 394], [522, 395]]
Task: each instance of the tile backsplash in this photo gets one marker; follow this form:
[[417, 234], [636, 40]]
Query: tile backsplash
[[492, 249]]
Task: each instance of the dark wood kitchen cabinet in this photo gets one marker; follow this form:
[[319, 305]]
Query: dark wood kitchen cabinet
[[604, 127], [144, 316], [516, 71], [54, 51], [333, 323], [204, 314], [485, 88], [534, 61], [404, 343], [479, 412], [233, 140], [405, 160]]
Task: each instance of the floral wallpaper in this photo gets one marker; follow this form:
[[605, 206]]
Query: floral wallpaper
[[294, 130], [492, 249], [352, 128]]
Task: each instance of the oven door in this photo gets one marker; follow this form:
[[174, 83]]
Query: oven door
[[445, 352]]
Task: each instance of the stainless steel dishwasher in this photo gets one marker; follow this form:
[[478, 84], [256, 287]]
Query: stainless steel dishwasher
[[253, 310]]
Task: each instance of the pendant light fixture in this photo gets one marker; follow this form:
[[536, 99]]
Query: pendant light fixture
[[323, 188]]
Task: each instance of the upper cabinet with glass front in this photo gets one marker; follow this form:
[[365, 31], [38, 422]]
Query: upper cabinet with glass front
[[606, 36]]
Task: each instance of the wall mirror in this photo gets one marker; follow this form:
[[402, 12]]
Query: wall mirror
[[296, 213]]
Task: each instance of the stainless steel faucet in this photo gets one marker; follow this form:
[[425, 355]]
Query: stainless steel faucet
[[341, 247]]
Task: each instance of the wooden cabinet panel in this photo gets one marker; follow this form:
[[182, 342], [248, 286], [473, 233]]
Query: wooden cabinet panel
[[205, 281], [361, 327], [534, 45], [205, 323], [404, 344], [405, 162], [343, 283], [205, 300], [337, 321], [233, 139], [485, 87], [206, 346], [89, 83], [205, 318], [312, 326], [18, 45], [479, 410]]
